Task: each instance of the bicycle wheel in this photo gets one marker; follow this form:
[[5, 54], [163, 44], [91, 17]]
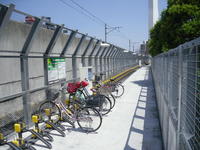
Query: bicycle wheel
[[55, 112], [89, 119], [105, 106], [112, 99], [118, 90], [104, 103]]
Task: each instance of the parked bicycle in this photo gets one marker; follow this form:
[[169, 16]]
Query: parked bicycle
[[100, 89], [77, 91], [112, 86], [88, 118]]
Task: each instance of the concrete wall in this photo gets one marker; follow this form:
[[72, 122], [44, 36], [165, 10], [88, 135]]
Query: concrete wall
[[10, 84]]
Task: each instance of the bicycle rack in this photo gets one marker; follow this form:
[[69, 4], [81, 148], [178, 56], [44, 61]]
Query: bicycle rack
[[50, 124], [65, 119], [20, 128], [20, 142], [3, 141], [35, 132], [36, 119]]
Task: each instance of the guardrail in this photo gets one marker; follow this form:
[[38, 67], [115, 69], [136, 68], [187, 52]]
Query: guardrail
[[121, 75]]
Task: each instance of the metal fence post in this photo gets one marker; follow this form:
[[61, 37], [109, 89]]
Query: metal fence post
[[25, 87], [68, 43], [106, 62], [25, 70], [74, 59], [90, 57], [90, 43], [5, 14], [97, 60], [47, 53], [180, 62], [110, 61]]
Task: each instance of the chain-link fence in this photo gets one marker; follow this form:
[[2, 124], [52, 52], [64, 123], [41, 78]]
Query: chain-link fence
[[177, 83]]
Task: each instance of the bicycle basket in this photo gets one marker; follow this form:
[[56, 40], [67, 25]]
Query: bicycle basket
[[52, 94], [105, 90], [95, 100]]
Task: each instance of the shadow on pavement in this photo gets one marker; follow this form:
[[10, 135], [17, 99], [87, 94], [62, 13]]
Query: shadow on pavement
[[145, 133], [81, 131]]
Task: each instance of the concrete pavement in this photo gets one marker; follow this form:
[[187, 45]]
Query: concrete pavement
[[133, 123]]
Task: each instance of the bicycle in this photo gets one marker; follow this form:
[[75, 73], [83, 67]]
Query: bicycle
[[88, 118], [117, 89], [111, 87], [100, 89], [77, 91]]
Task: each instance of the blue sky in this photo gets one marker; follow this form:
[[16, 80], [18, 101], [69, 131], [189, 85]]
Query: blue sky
[[131, 15]]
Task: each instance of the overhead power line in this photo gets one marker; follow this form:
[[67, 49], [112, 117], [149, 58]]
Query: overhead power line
[[79, 11], [82, 10]]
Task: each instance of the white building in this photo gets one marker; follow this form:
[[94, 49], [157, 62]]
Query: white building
[[153, 13]]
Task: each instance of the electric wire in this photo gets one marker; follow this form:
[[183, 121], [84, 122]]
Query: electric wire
[[79, 11], [97, 18], [91, 16], [90, 13]]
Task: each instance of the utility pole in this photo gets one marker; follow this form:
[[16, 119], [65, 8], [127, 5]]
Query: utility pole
[[108, 30], [105, 32], [129, 41]]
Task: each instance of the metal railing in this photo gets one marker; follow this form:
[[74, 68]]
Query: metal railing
[[177, 82]]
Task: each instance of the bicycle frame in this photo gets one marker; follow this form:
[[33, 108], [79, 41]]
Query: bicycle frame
[[71, 115]]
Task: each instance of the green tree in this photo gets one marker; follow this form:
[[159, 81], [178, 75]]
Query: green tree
[[179, 23]]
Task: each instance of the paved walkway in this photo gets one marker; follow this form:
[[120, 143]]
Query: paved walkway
[[132, 125]]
